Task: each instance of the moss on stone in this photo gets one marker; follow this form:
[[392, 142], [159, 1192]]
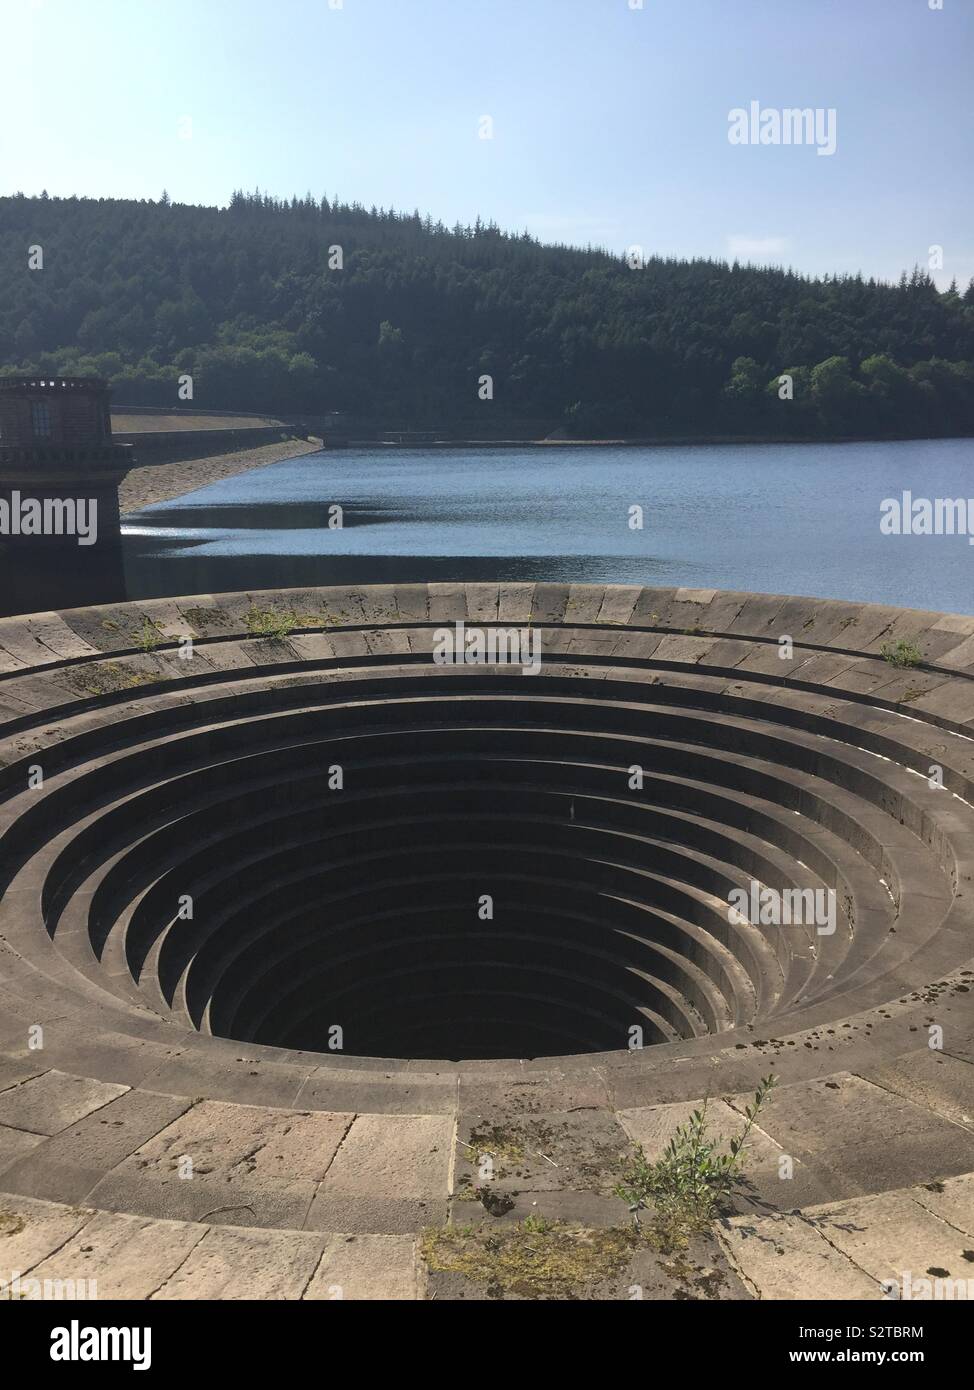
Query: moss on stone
[[10, 1223], [535, 1258], [106, 678], [204, 618]]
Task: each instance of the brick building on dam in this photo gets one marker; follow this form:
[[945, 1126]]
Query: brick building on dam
[[59, 474]]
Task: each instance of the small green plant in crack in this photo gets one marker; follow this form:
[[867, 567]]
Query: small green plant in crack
[[147, 637], [270, 622], [686, 1186], [537, 1225], [901, 653]]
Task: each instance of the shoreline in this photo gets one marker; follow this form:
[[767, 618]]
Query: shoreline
[[162, 482], [677, 441]]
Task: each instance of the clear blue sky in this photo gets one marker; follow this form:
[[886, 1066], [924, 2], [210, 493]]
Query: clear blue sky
[[610, 124]]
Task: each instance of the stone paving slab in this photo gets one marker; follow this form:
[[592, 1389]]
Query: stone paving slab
[[822, 668], [235, 1264], [54, 632], [447, 603], [15, 1069], [857, 1137], [379, 1095], [193, 1074], [69, 1165], [36, 1175], [951, 1200], [584, 603], [529, 1089], [406, 1155], [711, 609], [951, 702], [893, 1235], [123, 1256], [548, 604], [228, 1163], [863, 1248], [48, 1103], [940, 1082], [652, 606], [233, 1140], [109, 1134], [686, 648], [959, 657], [482, 602], [371, 1214], [14, 1144], [366, 1267], [559, 1151], [216, 1202], [786, 1257], [30, 1231], [412, 603], [389, 1176], [124, 1059], [618, 603]]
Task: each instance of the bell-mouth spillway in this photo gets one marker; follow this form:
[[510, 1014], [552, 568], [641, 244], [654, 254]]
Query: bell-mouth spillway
[[287, 893], [280, 819]]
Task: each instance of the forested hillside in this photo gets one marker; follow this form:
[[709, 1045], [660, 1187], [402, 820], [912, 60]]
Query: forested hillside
[[252, 302]]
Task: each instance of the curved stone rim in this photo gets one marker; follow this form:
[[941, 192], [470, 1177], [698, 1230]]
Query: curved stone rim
[[49, 662]]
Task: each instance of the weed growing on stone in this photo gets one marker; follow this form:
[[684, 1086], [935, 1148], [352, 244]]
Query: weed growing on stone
[[537, 1225], [147, 637], [270, 622], [685, 1187], [901, 653]]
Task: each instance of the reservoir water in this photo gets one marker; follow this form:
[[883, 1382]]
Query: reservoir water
[[798, 519]]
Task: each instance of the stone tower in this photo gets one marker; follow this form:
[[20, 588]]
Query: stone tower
[[60, 539]]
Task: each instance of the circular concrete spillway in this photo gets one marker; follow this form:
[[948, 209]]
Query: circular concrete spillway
[[231, 826], [277, 819]]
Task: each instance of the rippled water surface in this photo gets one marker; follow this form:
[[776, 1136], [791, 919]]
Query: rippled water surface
[[801, 519]]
